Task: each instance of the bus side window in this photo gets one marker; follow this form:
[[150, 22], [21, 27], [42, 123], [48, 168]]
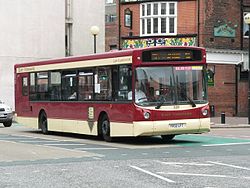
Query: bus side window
[[125, 81], [55, 86], [32, 86], [85, 85], [103, 83], [25, 86], [42, 83], [69, 85]]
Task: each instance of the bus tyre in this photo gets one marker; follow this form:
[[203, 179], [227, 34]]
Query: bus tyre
[[7, 123], [43, 123], [105, 127], [167, 138]]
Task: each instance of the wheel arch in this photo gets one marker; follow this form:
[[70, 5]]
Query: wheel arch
[[99, 121], [39, 117]]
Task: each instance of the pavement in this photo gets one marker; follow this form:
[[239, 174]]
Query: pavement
[[230, 122]]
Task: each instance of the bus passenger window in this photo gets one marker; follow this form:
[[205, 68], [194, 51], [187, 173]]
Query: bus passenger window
[[42, 83], [55, 86], [69, 81], [103, 86], [25, 86], [85, 85], [125, 81], [32, 86]]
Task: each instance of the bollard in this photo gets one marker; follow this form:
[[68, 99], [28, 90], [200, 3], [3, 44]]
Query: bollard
[[223, 118]]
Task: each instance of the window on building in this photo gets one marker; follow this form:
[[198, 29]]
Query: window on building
[[128, 18], [113, 47], [109, 18], [245, 27], [68, 39], [158, 18], [109, 1]]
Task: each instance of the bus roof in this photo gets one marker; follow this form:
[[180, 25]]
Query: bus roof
[[115, 55]]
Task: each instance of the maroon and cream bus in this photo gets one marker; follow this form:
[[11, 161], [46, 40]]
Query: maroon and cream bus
[[97, 94]]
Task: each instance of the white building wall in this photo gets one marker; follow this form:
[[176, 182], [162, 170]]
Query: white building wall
[[85, 15], [32, 30]]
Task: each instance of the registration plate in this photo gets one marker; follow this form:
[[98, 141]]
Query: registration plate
[[2, 115], [177, 125]]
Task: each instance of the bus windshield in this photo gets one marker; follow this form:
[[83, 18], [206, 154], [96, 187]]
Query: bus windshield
[[172, 85]]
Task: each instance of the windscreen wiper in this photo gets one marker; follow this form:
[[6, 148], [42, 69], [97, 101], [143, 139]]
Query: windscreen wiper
[[191, 101], [162, 100]]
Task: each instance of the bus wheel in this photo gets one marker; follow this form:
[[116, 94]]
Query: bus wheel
[[43, 123], [167, 138], [105, 127]]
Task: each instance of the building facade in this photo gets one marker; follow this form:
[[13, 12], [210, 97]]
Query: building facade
[[45, 29], [216, 25]]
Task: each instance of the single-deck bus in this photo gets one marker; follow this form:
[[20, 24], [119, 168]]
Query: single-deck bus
[[140, 92]]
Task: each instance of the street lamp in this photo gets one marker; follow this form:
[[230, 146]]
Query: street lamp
[[247, 21], [94, 31]]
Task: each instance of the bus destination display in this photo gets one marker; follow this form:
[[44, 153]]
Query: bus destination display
[[171, 55]]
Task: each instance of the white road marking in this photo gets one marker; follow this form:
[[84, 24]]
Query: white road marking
[[166, 152], [245, 136], [95, 148], [152, 174], [97, 158], [188, 164], [15, 138], [229, 165], [64, 144], [37, 141], [227, 144], [203, 175]]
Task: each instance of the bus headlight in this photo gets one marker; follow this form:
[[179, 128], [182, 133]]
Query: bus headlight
[[204, 112], [146, 115]]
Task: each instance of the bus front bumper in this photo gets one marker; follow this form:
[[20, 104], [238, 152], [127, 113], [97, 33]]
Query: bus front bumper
[[185, 126]]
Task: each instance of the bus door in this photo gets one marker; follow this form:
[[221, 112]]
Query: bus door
[[22, 104]]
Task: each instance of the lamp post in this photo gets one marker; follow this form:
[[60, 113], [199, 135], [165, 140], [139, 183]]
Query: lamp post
[[94, 31], [247, 21]]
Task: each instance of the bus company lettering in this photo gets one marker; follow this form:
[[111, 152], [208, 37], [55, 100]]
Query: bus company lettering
[[123, 60], [25, 69], [171, 114]]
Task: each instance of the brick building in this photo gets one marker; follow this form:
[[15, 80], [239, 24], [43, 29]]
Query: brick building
[[216, 25]]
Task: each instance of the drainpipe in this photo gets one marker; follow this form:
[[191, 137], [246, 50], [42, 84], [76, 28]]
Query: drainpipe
[[119, 25], [241, 25], [236, 88], [198, 23]]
